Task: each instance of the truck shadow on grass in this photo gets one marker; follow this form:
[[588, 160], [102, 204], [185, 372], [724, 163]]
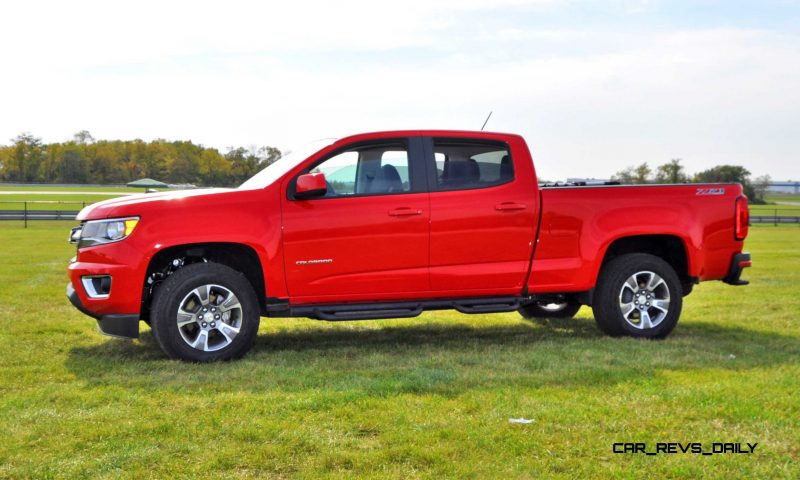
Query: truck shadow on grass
[[441, 358]]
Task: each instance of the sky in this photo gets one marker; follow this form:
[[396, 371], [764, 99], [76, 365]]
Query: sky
[[593, 86]]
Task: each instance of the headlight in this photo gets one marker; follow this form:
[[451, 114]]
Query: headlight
[[98, 232]]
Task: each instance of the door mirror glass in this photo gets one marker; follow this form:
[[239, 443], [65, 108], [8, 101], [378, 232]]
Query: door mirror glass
[[311, 185]]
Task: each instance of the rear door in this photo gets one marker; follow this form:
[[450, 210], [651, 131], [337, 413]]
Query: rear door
[[368, 238], [483, 217]]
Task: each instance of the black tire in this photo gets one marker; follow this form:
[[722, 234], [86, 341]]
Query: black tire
[[611, 292], [566, 309], [173, 291]]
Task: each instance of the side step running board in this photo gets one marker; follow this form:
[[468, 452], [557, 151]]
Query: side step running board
[[371, 314], [372, 311], [508, 305]]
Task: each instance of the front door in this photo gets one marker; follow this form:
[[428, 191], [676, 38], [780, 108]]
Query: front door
[[368, 237]]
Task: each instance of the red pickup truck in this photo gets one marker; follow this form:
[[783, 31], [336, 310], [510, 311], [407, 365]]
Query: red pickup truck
[[388, 224]]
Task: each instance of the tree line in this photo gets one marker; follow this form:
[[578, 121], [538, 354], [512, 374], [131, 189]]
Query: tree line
[[673, 172], [86, 160]]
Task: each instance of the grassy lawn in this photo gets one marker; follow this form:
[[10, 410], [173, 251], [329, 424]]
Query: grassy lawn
[[72, 198], [779, 210], [75, 199], [53, 202], [782, 198], [58, 198], [778, 205], [59, 188], [428, 397]]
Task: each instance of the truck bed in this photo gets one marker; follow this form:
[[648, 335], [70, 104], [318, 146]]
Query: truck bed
[[579, 223]]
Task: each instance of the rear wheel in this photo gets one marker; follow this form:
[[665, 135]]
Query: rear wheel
[[205, 312], [566, 309], [638, 295]]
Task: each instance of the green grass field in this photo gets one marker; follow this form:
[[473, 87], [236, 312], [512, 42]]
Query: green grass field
[[773, 210], [782, 198], [49, 202], [73, 198], [429, 397], [778, 205], [58, 188]]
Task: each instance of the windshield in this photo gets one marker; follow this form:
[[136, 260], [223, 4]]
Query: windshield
[[288, 161]]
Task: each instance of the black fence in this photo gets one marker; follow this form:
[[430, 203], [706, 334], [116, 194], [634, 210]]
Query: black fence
[[779, 215], [25, 210]]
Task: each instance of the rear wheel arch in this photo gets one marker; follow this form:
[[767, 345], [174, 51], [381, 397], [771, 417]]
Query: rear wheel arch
[[670, 248], [238, 256]]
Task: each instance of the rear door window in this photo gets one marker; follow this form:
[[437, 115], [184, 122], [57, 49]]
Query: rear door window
[[462, 165]]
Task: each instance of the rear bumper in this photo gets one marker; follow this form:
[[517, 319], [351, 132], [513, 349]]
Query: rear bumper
[[114, 325], [739, 262]]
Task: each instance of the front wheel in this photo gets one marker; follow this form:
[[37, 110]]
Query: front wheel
[[205, 312], [638, 295]]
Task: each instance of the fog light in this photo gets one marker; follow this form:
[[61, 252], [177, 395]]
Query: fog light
[[97, 286]]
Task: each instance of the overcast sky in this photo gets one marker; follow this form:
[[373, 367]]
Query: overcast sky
[[593, 86]]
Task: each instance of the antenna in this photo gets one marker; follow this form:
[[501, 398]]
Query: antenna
[[487, 121]]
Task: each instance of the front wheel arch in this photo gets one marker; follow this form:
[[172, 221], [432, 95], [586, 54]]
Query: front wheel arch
[[238, 256]]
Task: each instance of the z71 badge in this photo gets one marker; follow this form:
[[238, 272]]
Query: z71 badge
[[710, 191]]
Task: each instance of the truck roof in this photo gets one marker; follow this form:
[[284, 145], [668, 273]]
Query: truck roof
[[428, 133]]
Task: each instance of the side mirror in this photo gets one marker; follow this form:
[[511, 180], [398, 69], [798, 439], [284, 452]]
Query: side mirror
[[310, 185]]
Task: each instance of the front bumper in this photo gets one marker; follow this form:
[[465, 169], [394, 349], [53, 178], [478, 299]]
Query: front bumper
[[739, 262], [114, 325]]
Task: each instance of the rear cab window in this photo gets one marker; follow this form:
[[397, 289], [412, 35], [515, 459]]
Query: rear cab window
[[469, 164]]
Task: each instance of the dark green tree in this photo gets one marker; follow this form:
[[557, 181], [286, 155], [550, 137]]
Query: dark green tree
[[86, 160], [730, 174], [83, 137], [26, 159], [268, 156], [642, 174], [625, 177], [671, 172], [76, 169], [639, 174]]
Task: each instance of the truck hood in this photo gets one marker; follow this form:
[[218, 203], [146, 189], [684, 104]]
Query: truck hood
[[140, 203]]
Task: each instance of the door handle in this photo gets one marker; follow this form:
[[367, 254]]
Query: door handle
[[404, 212], [505, 206]]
